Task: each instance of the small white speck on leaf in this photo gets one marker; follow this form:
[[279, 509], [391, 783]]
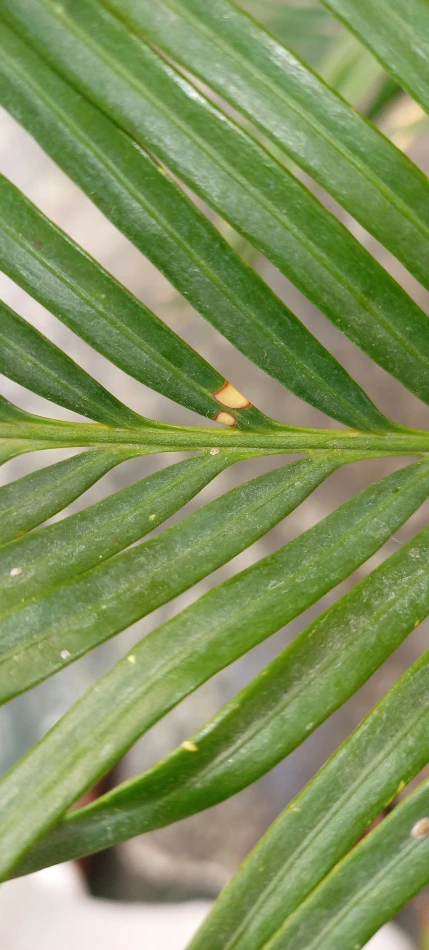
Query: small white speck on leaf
[[131, 659], [189, 746], [421, 829], [15, 571], [65, 654], [214, 451]]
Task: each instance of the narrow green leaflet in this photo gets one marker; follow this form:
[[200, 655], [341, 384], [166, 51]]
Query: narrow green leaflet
[[9, 413], [387, 750], [238, 178], [307, 28], [30, 500], [46, 633], [76, 751], [59, 552], [30, 359], [369, 887], [387, 94], [21, 432], [352, 71], [253, 732], [398, 34], [54, 270], [372, 179], [11, 448], [148, 207]]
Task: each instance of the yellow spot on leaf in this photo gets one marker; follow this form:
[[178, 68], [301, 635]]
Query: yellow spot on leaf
[[189, 746], [152, 517], [400, 787], [131, 659], [229, 396], [416, 624], [226, 418]]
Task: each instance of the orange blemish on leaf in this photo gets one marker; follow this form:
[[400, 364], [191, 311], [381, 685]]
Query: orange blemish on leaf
[[229, 396], [226, 418]]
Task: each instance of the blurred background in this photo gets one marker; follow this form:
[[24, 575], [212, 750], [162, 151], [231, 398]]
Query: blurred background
[[188, 864]]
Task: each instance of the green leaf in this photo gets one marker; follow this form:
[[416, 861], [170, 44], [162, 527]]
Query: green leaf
[[238, 178], [308, 28], [352, 71], [369, 887], [44, 634], [152, 212], [75, 752], [252, 733], [106, 88], [387, 94], [30, 359], [11, 448], [30, 500], [319, 827], [397, 33], [302, 116], [59, 552], [54, 270]]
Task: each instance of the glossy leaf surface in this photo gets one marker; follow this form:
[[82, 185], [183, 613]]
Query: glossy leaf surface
[[398, 33], [29, 358], [43, 634], [59, 552], [28, 501], [222, 164], [225, 48], [387, 750], [147, 206], [48, 265], [260, 725], [369, 887]]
